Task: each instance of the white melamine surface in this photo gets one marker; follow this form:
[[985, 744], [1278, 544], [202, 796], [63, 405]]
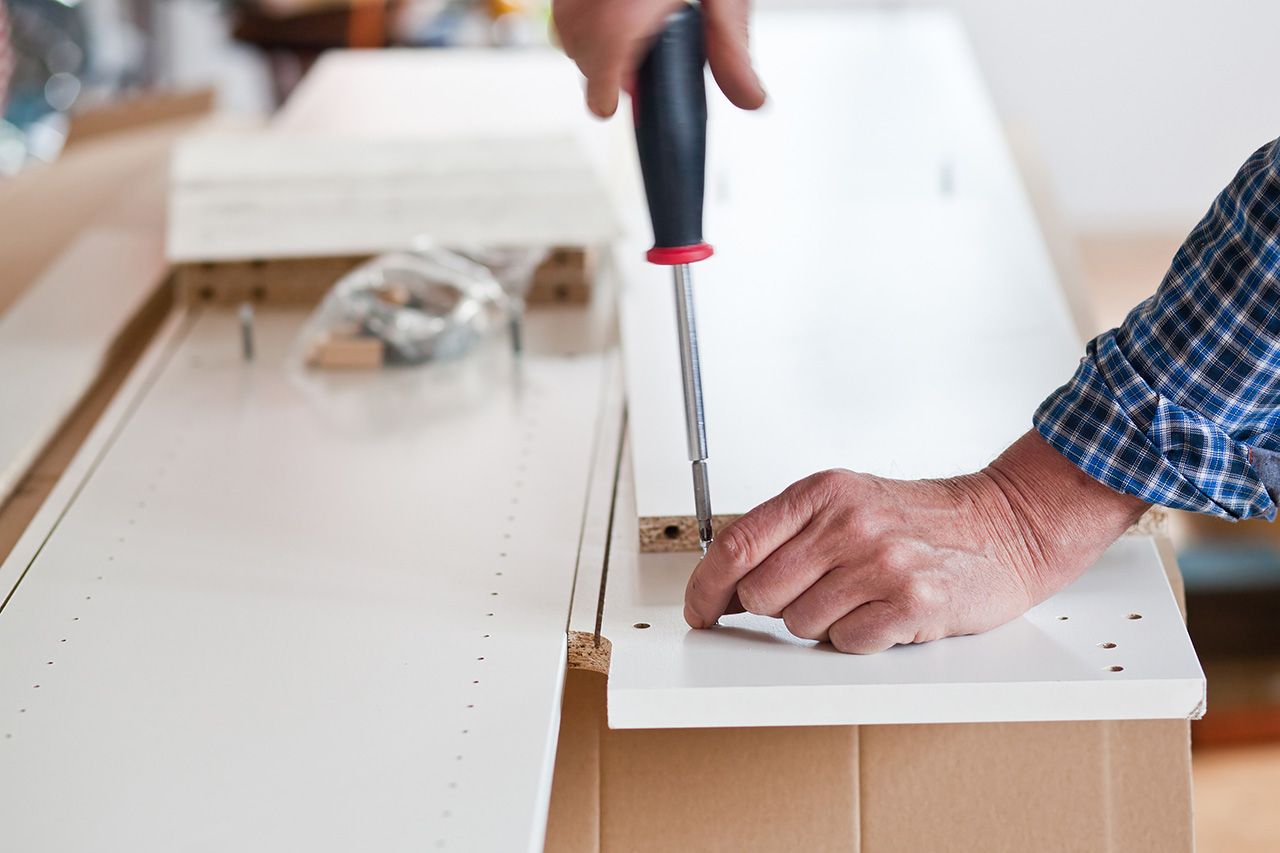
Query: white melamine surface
[[299, 612], [880, 298], [749, 671], [379, 148], [54, 341]]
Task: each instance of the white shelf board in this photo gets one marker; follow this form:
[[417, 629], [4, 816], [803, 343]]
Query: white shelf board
[[749, 671], [297, 612], [377, 149], [880, 298], [55, 340]]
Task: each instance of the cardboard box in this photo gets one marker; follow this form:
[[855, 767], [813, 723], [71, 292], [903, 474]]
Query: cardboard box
[[874, 789], [1068, 786]]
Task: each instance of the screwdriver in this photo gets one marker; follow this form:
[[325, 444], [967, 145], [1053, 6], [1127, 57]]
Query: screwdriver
[[670, 103]]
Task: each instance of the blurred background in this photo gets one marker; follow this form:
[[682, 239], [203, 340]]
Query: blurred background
[[1126, 119]]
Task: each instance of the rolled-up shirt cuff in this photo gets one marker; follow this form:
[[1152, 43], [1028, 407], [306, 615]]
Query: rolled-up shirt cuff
[[1121, 432]]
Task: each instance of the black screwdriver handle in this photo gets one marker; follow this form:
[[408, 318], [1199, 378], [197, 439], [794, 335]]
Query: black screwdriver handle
[[670, 102]]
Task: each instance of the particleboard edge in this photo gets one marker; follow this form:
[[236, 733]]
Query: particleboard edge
[[586, 653], [1154, 522], [672, 533], [564, 278]]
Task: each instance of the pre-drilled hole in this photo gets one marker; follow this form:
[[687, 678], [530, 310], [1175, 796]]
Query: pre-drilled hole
[[1134, 616], [1115, 668], [671, 531], [641, 625], [1106, 645]]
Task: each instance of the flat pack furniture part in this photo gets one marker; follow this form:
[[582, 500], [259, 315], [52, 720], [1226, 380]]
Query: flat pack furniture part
[[379, 150], [1111, 646], [880, 298], [281, 610], [1049, 785], [57, 337]]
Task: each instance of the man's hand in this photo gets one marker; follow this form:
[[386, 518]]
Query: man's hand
[[867, 563], [607, 38]]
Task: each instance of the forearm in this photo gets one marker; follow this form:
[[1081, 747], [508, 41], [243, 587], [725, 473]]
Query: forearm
[[1065, 517], [1173, 406]]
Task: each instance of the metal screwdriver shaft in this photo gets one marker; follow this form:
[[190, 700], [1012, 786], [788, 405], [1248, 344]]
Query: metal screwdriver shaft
[[694, 415], [671, 137]]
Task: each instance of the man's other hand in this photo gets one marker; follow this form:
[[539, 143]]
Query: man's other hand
[[867, 563], [607, 39]]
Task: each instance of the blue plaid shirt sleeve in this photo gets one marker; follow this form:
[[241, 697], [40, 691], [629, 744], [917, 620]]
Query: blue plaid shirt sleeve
[[1180, 406]]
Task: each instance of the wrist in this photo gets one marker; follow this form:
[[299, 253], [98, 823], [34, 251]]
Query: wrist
[[1065, 517]]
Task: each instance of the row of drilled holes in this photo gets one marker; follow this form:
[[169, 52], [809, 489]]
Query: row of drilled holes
[[120, 540], [521, 469]]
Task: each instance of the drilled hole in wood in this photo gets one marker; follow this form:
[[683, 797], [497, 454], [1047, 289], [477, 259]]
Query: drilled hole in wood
[[1106, 645], [641, 625], [671, 531], [1115, 668], [1134, 616]]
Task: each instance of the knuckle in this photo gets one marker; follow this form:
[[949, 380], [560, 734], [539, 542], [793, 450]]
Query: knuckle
[[755, 599], [896, 558], [829, 482], [800, 625], [738, 543], [917, 597]]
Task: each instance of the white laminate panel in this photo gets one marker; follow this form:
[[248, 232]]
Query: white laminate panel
[[880, 297], [297, 611], [749, 671], [55, 340]]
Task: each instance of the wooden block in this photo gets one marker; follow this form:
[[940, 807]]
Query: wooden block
[[346, 354]]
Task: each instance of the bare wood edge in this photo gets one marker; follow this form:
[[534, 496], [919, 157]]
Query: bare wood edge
[[564, 278], [671, 534], [1154, 522], [585, 653]]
